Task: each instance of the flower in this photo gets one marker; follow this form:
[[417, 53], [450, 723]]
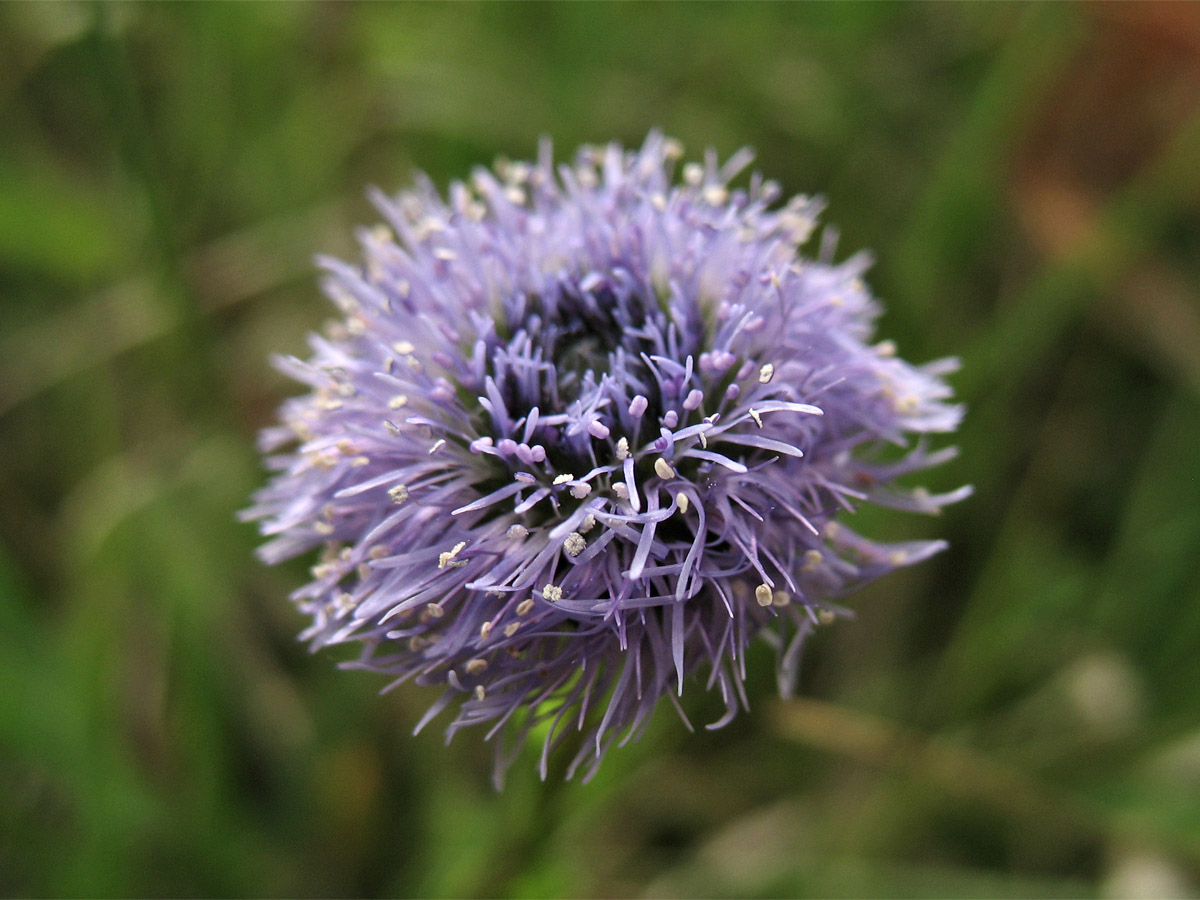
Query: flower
[[583, 432]]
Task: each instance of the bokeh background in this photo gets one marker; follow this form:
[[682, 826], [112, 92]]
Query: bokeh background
[[1017, 717]]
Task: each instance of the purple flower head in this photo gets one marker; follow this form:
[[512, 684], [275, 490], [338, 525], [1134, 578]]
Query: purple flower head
[[583, 432]]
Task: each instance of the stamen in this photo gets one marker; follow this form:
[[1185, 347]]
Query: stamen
[[715, 195], [682, 499], [663, 469], [475, 666], [447, 559], [622, 448], [552, 592], [525, 606], [574, 544], [435, 611], [766, 373], [763, 595]]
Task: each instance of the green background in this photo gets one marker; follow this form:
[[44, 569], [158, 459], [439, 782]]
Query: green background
[[1017, 717]]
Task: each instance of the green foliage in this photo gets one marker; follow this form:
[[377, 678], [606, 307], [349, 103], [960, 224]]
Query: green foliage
[[1018, 717]]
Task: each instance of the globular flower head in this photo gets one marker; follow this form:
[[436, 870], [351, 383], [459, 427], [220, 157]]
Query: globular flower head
[[584, 431]]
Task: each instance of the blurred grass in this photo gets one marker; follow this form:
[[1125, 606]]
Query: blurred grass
[[1019, 717]]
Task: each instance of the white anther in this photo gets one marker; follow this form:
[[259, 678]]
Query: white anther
[[485, 630], [323, 528], [447, 559], [564, 478], [715, 195], [398, 494], [693, 173], [517, 532], [682, 499], [762, 594], [475, 666], [434, 610], [780, 598], [826, 616], [398, 401], [437, 445], [574, 544], [360, 461], [511, 629], [621, 490], [581, 490], [552, 592], [812, 559], [663, 469], [525, 606], [755, 416], [403, 347], [766, 373], [480, 692], [622, 448], [588, 523]]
